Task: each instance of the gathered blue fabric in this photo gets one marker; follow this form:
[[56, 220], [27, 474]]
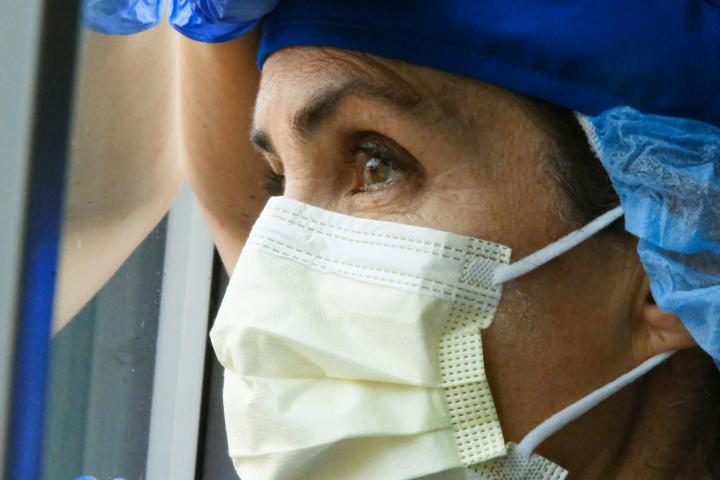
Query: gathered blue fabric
[[206, 22], [666, 171], [202, 20], [234, 11], [121, 17]]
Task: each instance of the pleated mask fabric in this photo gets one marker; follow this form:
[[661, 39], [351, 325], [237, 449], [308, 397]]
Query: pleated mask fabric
[[353, 350]]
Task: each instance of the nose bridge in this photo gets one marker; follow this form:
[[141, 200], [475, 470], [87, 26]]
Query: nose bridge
[[307, 187], [313, 177]]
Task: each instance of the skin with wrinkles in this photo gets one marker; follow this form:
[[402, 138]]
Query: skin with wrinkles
[[466, 157]]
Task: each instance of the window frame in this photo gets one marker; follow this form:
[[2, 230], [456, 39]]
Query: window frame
[[41, 44], [182, 339]]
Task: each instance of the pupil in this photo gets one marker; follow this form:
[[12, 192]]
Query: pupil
[[376, 171]]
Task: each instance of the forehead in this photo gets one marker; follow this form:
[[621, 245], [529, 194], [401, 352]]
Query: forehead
[[299, 65], [457, 105]]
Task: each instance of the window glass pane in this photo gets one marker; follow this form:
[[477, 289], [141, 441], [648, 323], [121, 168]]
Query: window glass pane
[[102, 374], [123, 176]]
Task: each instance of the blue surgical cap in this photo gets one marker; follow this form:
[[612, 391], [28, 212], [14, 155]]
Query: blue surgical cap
[[666, 171], [658, 56]]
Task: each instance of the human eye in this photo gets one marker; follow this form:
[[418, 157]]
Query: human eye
[[377, 165], [274, 183]]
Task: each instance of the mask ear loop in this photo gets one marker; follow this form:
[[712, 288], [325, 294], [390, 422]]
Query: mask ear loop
[[557, 421], [509, 272], [557, 248]]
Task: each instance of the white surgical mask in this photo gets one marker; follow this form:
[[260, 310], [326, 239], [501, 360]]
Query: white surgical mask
[[352, 350]]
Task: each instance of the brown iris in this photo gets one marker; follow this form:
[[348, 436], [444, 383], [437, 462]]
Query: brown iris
[[376, 171]]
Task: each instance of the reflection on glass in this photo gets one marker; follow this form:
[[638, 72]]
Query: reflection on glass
[[124, 173], [124, 158], [102, 375]]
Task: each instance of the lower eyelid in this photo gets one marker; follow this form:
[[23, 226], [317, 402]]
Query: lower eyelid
[[379, 187]]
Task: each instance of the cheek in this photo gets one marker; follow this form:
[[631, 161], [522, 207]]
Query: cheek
[[470, 199], [559, 333], [512, 345], [462, 199]]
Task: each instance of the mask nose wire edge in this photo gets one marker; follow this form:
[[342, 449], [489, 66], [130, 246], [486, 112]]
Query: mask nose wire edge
[[534, 260]]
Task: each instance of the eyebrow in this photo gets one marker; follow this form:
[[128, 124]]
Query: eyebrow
[[322, 106]]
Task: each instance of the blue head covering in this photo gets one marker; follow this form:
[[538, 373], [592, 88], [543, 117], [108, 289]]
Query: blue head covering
[[658, 56], [667, 173]]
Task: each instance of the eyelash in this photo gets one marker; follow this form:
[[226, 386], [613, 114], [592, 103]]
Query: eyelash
[[377, 150], [274, 183]]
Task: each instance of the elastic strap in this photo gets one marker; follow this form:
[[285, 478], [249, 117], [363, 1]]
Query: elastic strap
[[554, 423], [544, 255]]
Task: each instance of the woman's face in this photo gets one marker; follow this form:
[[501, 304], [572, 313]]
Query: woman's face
[[385, 140]]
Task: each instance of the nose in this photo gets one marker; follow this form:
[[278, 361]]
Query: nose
[[313, 190]]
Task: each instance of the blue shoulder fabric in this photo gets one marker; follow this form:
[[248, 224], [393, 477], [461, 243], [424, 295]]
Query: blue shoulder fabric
[[659, 56], [667, 173], [121, 17]]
